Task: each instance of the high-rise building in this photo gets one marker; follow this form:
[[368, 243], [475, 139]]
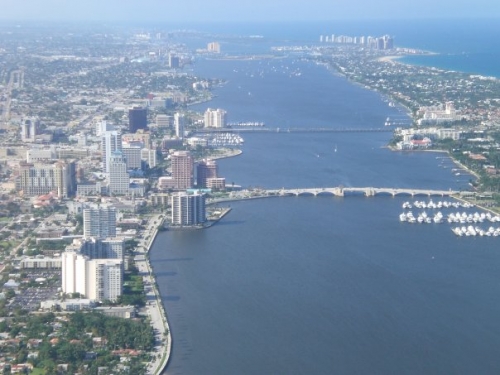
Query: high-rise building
[[137, 119], [96, 279], [182, 169], [173, 61], [188, 209], [97, 248], [163, 121], [132, 156], [119, 179], [42, 178], [182, 172], [29, 129], [111, 142], [205, 169], [215, 118], [149, 157], [103, 126], [388, 42], [179, 125], [213, 47], [99, 221]]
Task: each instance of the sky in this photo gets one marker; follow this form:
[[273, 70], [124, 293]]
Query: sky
[[242, 10]]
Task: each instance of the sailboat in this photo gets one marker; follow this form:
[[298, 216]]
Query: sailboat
[[335, 150]]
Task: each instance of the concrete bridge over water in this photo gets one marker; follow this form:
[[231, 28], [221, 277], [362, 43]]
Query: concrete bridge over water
[[340, 191], [284, 130]]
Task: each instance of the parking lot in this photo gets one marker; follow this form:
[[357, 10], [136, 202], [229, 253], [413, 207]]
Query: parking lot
[[30, 298]]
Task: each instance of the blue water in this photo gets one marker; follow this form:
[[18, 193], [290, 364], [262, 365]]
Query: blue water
[[323, 285]]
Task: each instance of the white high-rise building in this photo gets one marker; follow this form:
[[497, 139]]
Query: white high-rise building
[[29, 129], [215, 118], [149, 156], [102, 127], [74, 276], [97, 279], [188, 209], [111, 142], [119, 180], [179, 125], [105, 279], [99, 221]]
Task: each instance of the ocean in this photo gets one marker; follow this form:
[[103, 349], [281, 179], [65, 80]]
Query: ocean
[[324, 285]]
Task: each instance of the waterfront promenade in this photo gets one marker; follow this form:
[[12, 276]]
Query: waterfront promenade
[[154, 306]]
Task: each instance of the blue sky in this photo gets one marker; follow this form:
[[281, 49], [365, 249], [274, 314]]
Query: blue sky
[[243, 10]]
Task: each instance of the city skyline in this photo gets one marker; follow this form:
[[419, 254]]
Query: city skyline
[[245, 11]]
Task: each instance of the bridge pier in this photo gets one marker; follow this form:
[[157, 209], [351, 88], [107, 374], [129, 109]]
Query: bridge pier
[[370, 192], [339, 192]]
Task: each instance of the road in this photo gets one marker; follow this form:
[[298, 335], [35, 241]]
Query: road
[[154, 307]]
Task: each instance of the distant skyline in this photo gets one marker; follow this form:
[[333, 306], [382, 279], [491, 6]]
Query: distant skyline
[[188, 11]]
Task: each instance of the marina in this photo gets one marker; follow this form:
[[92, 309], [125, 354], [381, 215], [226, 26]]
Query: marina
[[464, 217]]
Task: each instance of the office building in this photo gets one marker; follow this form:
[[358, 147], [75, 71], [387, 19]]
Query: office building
[[173, 61], [188, 209], [215, 118], [132, 156], [99, 221], [137, 119], [216, 183], [205, 169], [163, 121], [118, 178]]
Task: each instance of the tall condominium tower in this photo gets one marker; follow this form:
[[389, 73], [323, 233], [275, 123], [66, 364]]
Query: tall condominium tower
[[179, 125], [188, 209], [29, 129], [206, 169], [111, 141], [137, 119], [215, 118], [213, 47], [42, 178], [99, 221], [182, 169], [96, 279]]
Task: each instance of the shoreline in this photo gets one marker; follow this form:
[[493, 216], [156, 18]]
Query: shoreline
[[163, 328]]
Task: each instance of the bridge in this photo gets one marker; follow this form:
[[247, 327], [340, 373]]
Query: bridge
[[366, 191], [262, 129]]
